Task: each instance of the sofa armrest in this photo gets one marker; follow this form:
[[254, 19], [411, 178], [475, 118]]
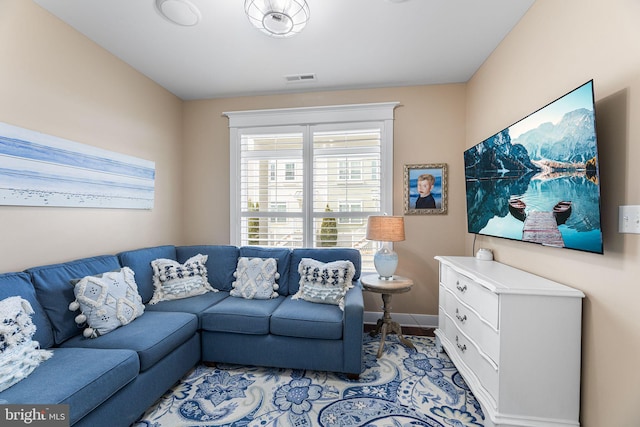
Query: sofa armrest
[[353, 329]]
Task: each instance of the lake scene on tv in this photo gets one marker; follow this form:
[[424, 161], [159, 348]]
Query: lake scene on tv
[[538, 180]]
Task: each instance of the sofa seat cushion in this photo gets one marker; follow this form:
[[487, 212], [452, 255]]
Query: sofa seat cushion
[[239, 315], [55, 291], [19, 284], [83, 378], [195, 305], [304, 319], [152, 335]]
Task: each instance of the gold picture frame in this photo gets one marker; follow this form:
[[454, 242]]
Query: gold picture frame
[[432, 175]]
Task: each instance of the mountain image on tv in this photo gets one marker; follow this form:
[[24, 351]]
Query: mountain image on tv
[[538, 179]]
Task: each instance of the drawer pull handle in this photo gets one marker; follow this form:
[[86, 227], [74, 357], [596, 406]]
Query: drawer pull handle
[[462, 288], [462, 347], [463, 318]]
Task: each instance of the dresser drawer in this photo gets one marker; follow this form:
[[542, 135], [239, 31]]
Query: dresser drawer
[[480, 299], [442, 302], [480, 365], [468, 321]]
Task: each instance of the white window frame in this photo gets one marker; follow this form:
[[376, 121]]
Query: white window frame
[[310, 116]]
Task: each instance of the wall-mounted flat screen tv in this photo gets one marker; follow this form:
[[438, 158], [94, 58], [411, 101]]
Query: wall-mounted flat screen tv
[[538, 180]]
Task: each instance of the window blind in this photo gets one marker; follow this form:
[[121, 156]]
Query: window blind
[[310, 183]]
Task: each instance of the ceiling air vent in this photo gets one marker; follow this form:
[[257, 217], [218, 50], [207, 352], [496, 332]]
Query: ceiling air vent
[[298, 78]]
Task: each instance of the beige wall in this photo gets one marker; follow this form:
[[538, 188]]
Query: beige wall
[[557, 46], [55, 81], [428, 128]]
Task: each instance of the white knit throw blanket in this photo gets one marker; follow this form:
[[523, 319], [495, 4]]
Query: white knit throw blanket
[[19, 354]]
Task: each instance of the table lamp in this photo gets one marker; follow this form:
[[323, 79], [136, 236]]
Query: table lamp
[[385, 229]]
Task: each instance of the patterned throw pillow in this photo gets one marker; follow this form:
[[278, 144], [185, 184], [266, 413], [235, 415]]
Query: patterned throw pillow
[[325, 283], [19, 354], [256, 278], [106, 301], [173, 280]]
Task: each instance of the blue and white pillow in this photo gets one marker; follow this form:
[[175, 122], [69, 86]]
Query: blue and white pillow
[[325, 283], [172, 280], [19, 354], [256, 278], [106, 301]]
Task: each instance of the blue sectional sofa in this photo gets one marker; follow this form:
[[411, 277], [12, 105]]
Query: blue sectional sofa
[[112, 379]]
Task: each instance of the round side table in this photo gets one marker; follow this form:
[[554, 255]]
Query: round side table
[[387, 288]]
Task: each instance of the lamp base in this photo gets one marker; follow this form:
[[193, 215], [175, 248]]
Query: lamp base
[[386, 262]]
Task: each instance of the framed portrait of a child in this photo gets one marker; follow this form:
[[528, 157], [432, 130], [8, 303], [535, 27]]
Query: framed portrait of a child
[[425, 189]]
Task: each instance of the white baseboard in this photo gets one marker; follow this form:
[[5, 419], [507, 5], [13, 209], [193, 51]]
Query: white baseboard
[[405, 319]]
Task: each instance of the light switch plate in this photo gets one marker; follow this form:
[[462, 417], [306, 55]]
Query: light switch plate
[[629, 219]]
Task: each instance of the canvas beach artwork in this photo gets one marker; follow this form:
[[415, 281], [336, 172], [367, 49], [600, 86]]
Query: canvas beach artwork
[[44, 170]]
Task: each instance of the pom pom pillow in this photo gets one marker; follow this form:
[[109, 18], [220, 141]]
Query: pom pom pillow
[[255, 278], [172, 280], [19, 354], [106, 301], [325, 283]]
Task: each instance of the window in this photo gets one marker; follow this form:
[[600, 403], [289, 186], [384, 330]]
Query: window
[[375, 169], [290, 171], [351, 169], [272, 171], [351, 207], [278, 207], [310, 177]]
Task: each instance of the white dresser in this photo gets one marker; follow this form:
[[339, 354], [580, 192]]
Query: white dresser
[[515, 338]]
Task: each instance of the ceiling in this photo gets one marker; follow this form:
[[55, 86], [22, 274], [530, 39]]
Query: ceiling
[[347, 44]]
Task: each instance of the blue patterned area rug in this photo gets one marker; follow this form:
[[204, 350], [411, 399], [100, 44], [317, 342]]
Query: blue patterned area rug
[[404, 387]]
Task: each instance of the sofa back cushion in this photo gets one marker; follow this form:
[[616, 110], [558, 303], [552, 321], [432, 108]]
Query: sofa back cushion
[[19, 284], [55, 291], [283, 257], [220, 265], [139, 260], [323, 255]]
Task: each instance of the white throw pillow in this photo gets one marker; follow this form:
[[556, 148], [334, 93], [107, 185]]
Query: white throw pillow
[[106, 301], [256, 278], [172, 280], [325, 283], [19, 354]]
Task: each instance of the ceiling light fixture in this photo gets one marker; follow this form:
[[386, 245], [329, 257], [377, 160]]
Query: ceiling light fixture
[[277, 18], [181, 12]]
